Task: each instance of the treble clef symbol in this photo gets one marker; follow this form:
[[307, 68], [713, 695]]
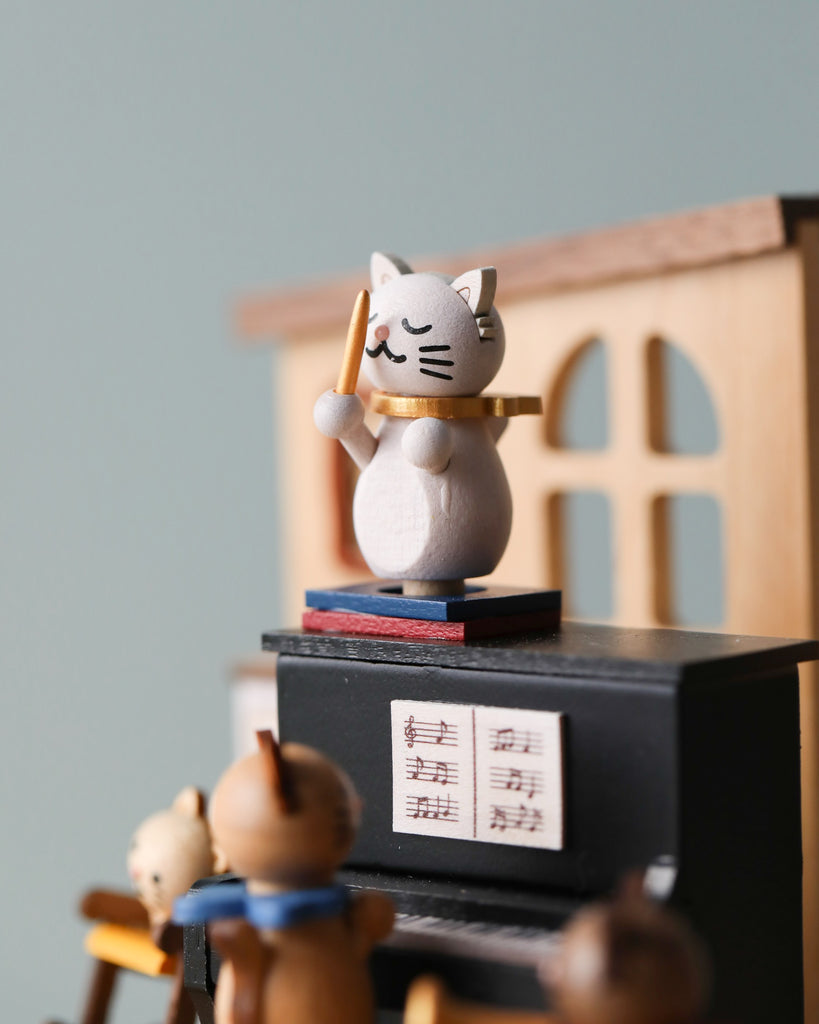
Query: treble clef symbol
[[410, 731]]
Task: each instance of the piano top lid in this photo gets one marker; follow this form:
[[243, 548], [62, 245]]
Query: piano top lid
[[576, 649]]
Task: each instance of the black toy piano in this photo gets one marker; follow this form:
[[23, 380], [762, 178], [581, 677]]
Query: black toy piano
[[508, 781]]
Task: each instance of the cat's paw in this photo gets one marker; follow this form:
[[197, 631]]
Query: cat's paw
[[338, 415], [487, 328], [427, 444]]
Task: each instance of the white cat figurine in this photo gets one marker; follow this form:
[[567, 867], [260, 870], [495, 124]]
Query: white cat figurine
[[432, 502]]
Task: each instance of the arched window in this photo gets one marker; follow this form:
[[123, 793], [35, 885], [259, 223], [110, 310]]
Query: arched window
[[581, 543], [628, 535]]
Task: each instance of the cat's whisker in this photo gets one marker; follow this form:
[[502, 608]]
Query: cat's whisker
[[434, 373], [438, 362], [434, 348]]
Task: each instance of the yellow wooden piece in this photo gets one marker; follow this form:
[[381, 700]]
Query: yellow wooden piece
[[455, 408], [354, 349], [131, 948], [429, 1003], [808, 240]]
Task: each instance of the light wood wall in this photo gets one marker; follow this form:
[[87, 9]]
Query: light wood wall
[[741, 326]]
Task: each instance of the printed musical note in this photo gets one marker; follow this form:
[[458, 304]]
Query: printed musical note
[[520, 818], [516, 741], [498, 819], [442, 773], [441, 733], [432, 808], [421, 809], [517, 780], [504, 739]]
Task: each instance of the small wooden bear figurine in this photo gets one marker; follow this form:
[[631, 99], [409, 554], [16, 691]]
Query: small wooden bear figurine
[[630, 961], [295, 944], [626, 962], [169, 851], [432, 505]]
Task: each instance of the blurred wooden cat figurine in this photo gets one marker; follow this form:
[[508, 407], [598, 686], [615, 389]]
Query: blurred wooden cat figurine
[[295, 945], [169, 851], [432, 505], [628, 961]]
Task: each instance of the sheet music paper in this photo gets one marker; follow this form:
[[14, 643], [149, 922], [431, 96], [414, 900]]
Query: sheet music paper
[[482, 773]]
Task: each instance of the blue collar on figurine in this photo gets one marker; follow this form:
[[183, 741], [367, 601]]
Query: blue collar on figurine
[[264, 910]]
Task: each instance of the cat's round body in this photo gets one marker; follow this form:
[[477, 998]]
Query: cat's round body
[[432, 502], [316, 976], [286, 817], [413, 524], [628, 961]]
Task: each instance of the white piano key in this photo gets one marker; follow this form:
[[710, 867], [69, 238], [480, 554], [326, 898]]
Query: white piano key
[[483, 940]]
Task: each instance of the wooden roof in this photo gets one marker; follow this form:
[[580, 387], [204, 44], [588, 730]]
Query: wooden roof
[[640, 249]]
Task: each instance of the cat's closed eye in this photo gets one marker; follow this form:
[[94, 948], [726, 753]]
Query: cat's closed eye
[[415, 330]]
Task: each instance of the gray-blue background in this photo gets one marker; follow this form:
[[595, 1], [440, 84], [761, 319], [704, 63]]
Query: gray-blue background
[[156, 161]]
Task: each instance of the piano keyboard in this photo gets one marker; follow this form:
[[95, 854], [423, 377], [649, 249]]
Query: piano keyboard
[[512, 944]]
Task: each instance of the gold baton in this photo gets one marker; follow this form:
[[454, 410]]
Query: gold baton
[[354, 349]]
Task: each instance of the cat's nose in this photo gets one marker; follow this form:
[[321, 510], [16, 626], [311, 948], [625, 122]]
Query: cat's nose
[[382, 332]]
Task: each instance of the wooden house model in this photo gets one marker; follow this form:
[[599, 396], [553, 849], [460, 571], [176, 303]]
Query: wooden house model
[[735, 291]]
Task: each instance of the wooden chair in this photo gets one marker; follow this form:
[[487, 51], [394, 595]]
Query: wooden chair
[[121, 939]]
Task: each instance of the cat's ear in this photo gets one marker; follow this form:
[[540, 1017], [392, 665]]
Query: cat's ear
[[190, 802], [384, 267], [477, 289], [220, 861], [276, 770]]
